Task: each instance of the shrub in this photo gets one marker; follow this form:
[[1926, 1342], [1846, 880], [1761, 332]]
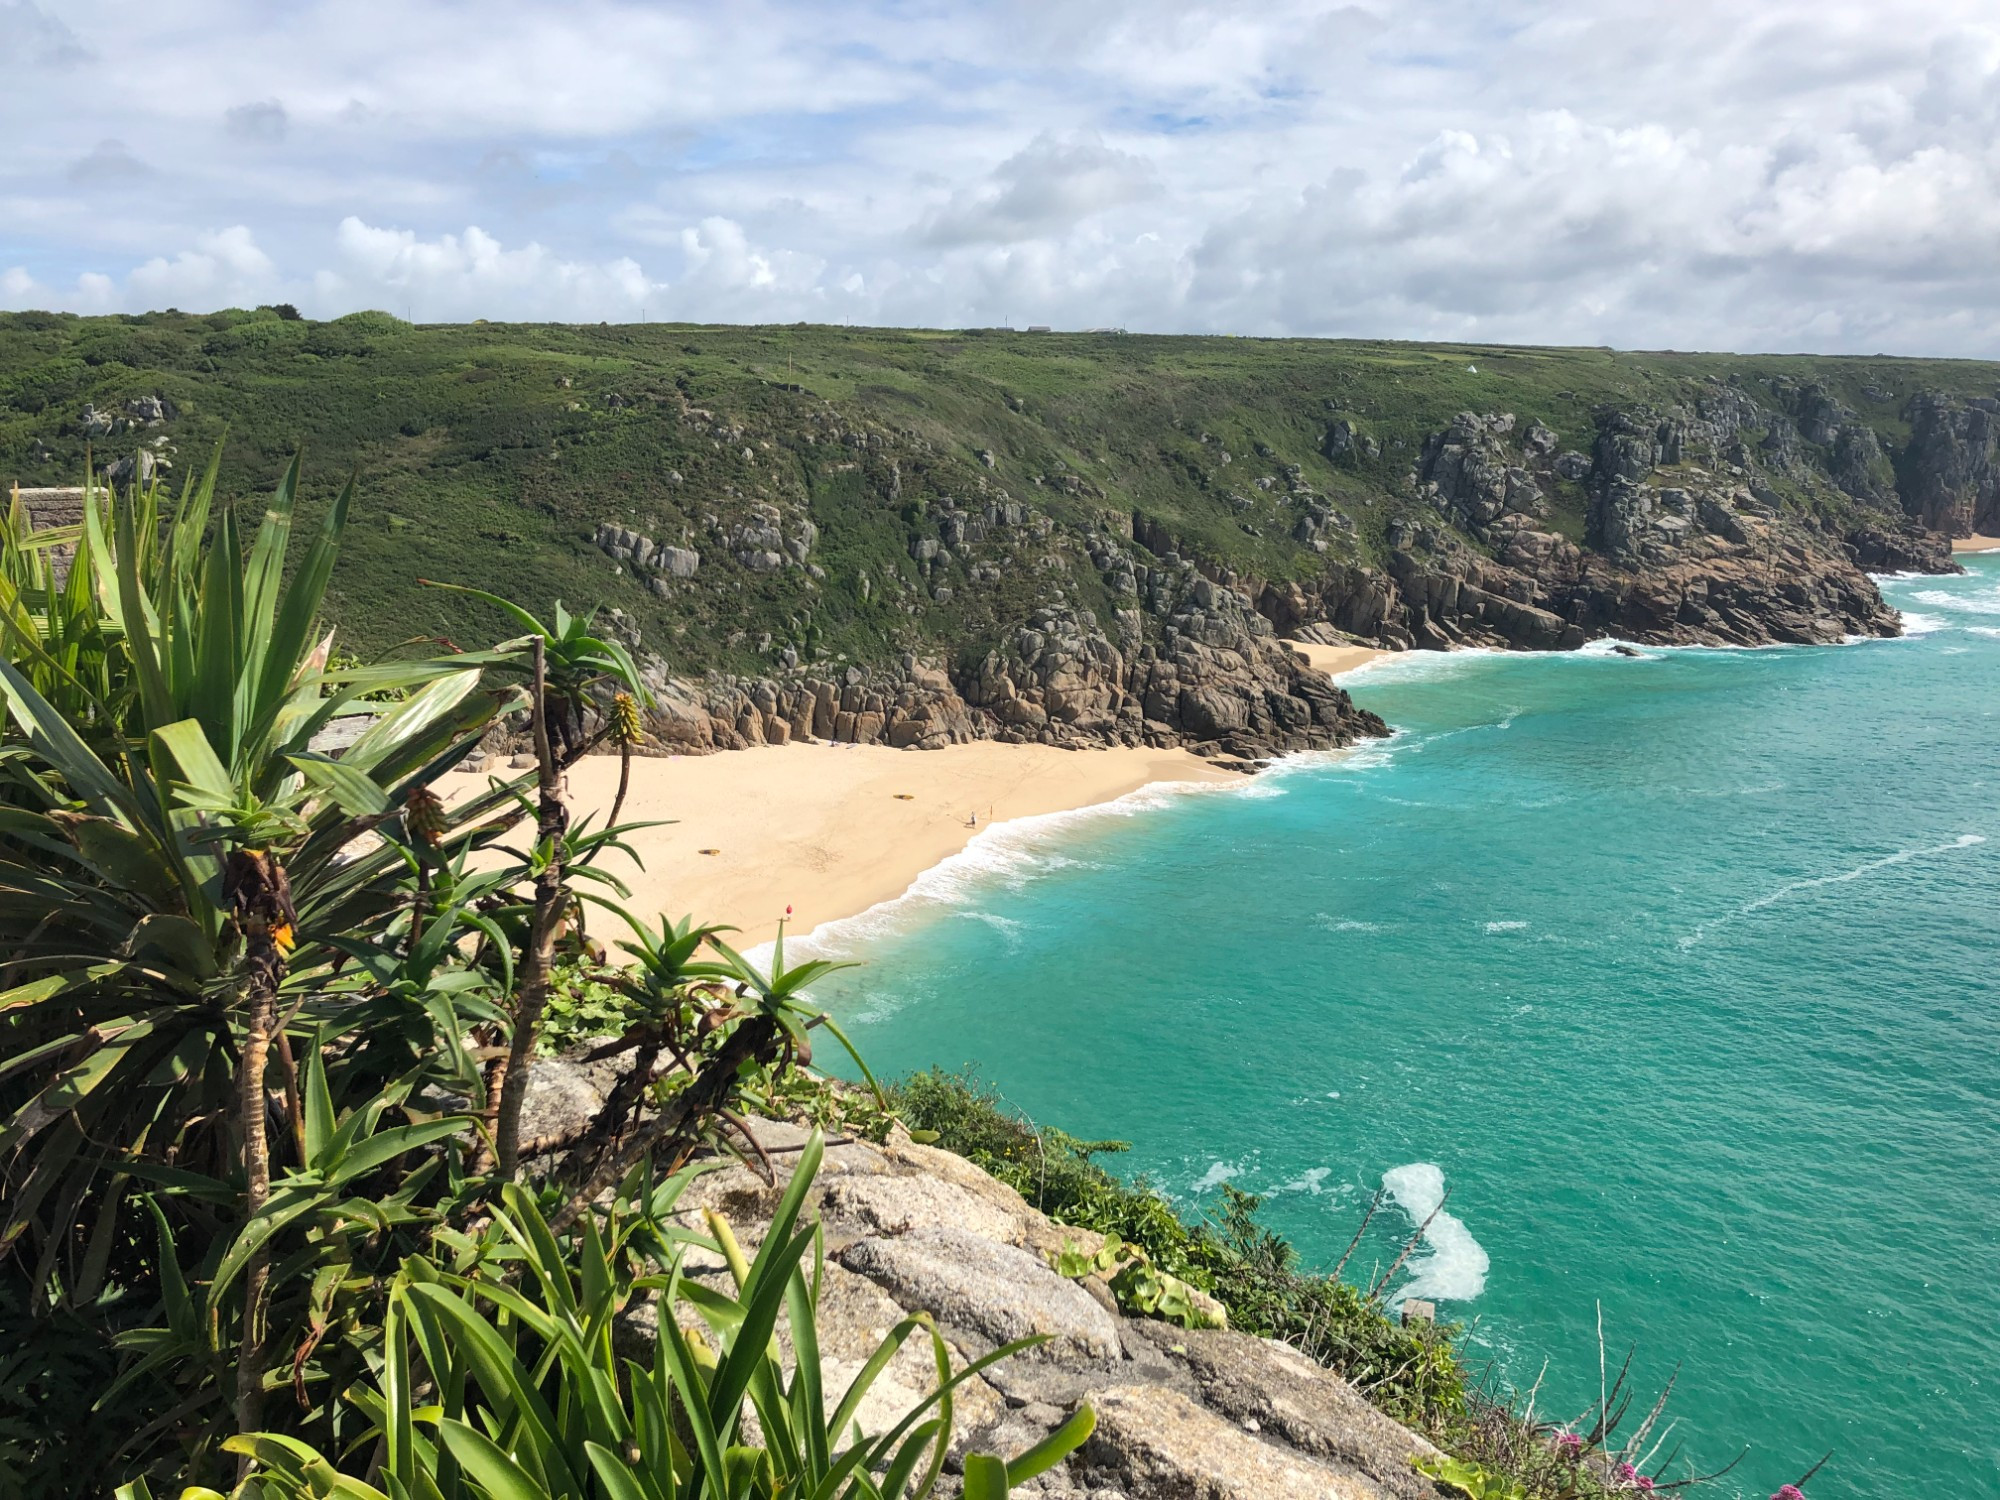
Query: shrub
[[1411, 1372]]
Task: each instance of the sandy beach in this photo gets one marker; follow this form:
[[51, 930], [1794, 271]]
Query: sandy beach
[[1334, 660], [1975, 544], [831, 830]]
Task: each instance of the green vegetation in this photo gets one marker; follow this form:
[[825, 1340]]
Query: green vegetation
[[1410, 1371], [515, 1334], [265, 1022], [493, 453]]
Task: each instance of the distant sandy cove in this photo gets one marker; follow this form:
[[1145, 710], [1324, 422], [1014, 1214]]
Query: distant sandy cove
[[831, 830]]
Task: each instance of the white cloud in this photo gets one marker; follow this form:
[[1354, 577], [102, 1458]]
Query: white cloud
[[1639, 172]]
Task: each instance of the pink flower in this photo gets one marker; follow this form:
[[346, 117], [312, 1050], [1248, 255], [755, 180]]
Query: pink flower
[[1628, 1475], [1569, 1444], [1789, 1492]]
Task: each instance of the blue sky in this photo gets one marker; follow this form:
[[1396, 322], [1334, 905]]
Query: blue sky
[[1771, 176]]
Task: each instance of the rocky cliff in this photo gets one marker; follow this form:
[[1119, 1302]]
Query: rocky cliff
[[1201, 1414], [1692, 534], [1080, 533], [1217, 680]]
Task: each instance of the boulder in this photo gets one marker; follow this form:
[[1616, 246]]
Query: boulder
[[1157, 1444], [987, 1293]]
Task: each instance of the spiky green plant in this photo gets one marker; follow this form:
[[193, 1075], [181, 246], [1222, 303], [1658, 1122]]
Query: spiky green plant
[[500, 1377], [174, 855]]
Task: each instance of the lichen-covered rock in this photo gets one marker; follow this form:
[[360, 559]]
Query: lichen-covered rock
[[1159, 1445], [1271, 1387], [986, 1294]]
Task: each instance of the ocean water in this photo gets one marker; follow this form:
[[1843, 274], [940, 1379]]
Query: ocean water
[[1676, 973]]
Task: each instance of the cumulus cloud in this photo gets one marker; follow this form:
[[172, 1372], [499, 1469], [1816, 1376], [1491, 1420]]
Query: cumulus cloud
[[1048, 187], [455, 277], [1638, 172], [30, 35]]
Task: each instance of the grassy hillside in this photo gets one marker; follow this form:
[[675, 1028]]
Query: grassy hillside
[[490, 454]]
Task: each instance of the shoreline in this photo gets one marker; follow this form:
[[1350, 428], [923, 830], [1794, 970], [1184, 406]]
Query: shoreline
[[831, 831], [1962, 544]]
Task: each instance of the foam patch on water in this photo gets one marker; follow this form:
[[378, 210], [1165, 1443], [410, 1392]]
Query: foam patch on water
[[1991, 632], [1493, 927], [1413, 666], [1844, 877], [1451, 1265], [1312, 1181], [1343, 924], [1217, 1174], [1984, 602], [1901, 856], [1916, 624]]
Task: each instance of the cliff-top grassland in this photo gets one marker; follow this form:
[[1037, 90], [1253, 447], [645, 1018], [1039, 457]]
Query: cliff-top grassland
[[760, 499]]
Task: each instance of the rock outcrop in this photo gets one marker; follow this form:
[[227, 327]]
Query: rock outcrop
[[1687, 543], [1204, 1414], [1950, 472], [1219, 681]]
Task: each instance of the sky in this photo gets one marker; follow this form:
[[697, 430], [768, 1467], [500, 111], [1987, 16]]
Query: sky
[[1771, 175]]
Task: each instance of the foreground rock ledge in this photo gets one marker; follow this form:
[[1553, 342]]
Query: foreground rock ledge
[[1209, 1414]]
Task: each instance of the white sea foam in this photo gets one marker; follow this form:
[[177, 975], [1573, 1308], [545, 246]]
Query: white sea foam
[[1916, 624], [1343, 924], [1312, 1181], [1990, 631], [1010, 854], [1217, 1174], [1984, 602], [1493, 927], [1901, 856], [1451, 1265], [1861, 871]]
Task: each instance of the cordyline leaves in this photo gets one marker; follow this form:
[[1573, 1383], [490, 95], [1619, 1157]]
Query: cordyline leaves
[[532, 1401], [157, 707]]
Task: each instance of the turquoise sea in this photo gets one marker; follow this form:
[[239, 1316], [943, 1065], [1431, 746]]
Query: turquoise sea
[[1677, 972]]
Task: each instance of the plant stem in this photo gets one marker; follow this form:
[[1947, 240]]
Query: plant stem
[[753, 1040], [259, 897], [538, 959]]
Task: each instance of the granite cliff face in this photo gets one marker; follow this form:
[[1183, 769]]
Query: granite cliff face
[[1950, 475], [1217, 680], [1692, 532]]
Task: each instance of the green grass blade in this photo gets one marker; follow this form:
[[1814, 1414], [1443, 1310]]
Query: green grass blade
[[1054, 1448]]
